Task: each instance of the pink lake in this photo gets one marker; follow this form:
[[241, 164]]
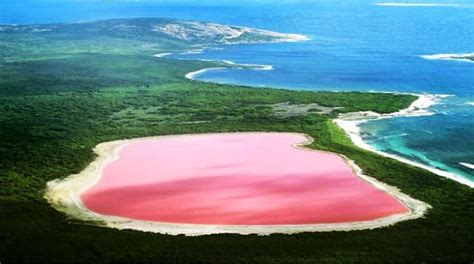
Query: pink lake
[[235, 179]]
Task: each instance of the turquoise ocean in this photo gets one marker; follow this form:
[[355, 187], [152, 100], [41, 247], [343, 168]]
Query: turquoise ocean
[[355, 46]]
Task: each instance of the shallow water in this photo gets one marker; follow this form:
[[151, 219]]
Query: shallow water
[[373, 48], [355, 46]]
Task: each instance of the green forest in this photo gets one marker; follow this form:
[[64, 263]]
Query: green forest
[[58, 102]]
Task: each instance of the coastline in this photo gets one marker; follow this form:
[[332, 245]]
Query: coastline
[[283, 37], [280, 38], [467, 165], [350, 124], [192, 75], [232, 65], [64, 196], [255, 67]]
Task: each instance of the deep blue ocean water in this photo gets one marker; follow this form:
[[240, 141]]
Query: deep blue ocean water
[[354, 45]]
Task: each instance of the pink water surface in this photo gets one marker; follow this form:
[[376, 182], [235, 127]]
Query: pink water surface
[[238, 179]]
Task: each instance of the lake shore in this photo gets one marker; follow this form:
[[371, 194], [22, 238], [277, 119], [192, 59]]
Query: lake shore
[[64, 195]]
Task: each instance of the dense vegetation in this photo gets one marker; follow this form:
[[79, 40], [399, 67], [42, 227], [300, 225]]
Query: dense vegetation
[[54, 111]]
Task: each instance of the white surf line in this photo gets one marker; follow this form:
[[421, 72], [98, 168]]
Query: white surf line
[[287, 37], [279, 37], [193, 51], [284, 37], [257, 67], [233, 65], [167, 54], [64, 196], [467, 165], [449, 57], [394, 4], [351, 122], [470, 103], [192, 75], [161, 55]]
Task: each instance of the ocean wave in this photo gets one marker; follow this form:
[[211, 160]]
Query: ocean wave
[[392, 136], [194, 51], [189, 52], [465, 57], [467, 165], [164, 54], [470, 103]]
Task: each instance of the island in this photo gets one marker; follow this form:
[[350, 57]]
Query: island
[[69, 87]]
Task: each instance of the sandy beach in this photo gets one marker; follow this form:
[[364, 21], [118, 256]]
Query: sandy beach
[[192, 75], [255, 67], [351, 122], [64, 195]]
